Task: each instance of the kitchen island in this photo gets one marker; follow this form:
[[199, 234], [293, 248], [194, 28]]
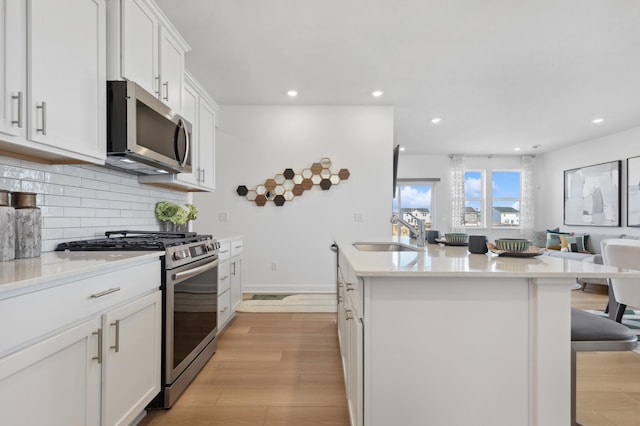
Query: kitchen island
[[440, 336]]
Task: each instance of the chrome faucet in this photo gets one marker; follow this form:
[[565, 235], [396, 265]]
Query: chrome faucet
[[418, 230]]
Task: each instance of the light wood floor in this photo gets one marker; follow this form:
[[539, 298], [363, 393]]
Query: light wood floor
[[284, 369], [269, 369]]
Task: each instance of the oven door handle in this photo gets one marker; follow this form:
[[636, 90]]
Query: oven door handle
[[195, 271]]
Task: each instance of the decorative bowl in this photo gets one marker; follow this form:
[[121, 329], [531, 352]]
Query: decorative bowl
[[456, 237], [512, 245]]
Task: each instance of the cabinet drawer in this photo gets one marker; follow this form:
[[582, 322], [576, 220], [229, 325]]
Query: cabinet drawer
[[225, 251], [236, 248], [32, 316], [224, 308], [224, 276]]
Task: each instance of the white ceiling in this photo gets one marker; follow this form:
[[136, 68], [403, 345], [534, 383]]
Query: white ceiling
[[500, 73]]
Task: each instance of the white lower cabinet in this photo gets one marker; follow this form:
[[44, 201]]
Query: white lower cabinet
[[84, 352], [351, 338], [54, 382], [224, 287], [132, 344], [229, 280]]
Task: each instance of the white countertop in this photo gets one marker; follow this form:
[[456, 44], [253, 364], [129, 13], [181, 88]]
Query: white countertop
[[25, 275], [437, 260]]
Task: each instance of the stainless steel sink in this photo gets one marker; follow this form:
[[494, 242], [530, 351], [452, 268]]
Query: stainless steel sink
[[384, 247]]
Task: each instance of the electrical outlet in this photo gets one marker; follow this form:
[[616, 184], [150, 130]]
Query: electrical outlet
[[274, 265], [223, 216]]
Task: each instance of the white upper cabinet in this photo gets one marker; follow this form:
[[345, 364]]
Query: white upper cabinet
[[54, 94], [144, 47], [200, 110]]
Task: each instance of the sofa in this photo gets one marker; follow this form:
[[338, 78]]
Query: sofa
[[592, 254]]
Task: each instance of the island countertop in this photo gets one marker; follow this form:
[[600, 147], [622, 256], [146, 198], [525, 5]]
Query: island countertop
[[438, 260]]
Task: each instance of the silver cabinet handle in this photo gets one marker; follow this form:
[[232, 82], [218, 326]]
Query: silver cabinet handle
[[117, 344], [234, 269], [157, 86], [43, 107], [18, 97], [99, 357], [198, 173], [166, 91], [224, 278], [350, 287], [104, 293], [224, 251], [203, 170], [224, 309]]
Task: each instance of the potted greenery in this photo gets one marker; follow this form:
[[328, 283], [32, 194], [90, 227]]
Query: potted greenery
[[175, 217]]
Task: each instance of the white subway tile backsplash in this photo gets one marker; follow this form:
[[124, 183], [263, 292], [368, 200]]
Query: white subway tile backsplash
[[85, 201]]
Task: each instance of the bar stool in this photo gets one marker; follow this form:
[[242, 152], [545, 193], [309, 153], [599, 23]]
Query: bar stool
[[592, 333]]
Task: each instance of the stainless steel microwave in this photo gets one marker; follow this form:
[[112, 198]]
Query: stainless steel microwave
[[144, 136]]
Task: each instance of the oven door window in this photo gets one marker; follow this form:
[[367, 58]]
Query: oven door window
[[194, 312]]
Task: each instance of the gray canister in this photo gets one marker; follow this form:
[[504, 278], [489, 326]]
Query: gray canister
[[8, 228], [28, 226]]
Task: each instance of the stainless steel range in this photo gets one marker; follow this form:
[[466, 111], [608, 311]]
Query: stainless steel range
[[189, 295]]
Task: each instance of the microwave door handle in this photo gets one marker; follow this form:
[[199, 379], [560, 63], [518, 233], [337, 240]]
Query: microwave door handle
[[187, 145], [181, 126]]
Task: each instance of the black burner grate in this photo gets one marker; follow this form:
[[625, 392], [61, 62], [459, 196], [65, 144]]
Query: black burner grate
[[133, 240]]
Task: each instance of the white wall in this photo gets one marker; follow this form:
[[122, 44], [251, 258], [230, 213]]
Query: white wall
[[84, 201], [619, 146], [254, 143], [437, 166]]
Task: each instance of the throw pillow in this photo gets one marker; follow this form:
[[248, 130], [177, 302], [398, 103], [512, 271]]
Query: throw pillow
[[553, 239], [575, 243]]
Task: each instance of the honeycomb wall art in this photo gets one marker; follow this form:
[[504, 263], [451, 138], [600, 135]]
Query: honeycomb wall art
[[287, 185]]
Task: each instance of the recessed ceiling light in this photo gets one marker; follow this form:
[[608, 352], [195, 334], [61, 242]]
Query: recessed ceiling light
[[292, 93], [402, 148], [597, 120], [516, 149], [377, 93], [436, 120]]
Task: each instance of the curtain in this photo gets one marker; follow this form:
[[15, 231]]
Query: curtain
[[527, 202], [456, 171]]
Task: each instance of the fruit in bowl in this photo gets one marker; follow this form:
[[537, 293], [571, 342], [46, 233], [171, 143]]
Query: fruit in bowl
[[456, 237], [512, 245]]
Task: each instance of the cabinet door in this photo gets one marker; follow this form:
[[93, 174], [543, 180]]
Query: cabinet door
[[67, 70], [171, 71], [190, 112], [355, 364], [236, 284], [132, 345], [207, 144], [53, 382], [13, 67], [139, 40], [224, 309]]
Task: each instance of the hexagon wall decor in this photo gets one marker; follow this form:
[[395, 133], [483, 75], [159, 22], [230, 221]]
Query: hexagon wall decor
[[287, 185]]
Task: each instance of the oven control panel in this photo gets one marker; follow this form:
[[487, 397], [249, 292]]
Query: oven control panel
[[182, 254]]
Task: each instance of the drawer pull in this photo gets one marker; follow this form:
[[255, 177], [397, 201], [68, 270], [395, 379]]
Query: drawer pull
[[99, 357], [104, 293], [18, 98], [117, 345], [350, 287], [224, 278]]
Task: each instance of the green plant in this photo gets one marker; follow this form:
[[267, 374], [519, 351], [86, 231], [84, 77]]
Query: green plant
[[167, 211], [192, 212]]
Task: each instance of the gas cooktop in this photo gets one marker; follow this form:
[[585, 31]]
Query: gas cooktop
[[134, 240]]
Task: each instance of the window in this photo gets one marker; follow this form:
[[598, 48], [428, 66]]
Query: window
[[474, 199], [413, 200], [503, 198]]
